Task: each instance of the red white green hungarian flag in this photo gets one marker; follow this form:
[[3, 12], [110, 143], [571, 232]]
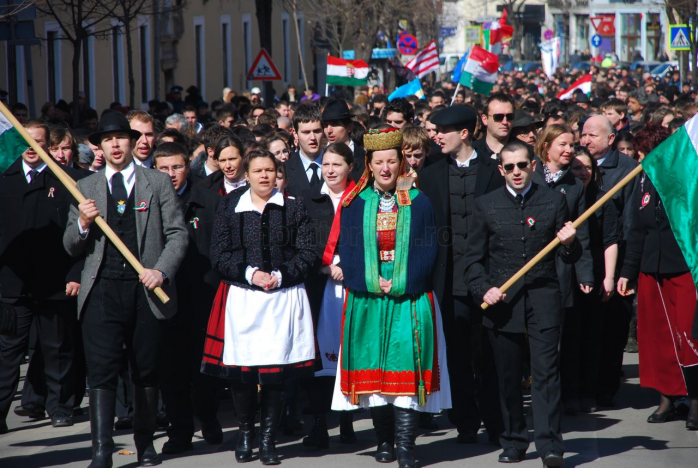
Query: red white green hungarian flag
[[583, 84], [480, 71], [12, 144], [672, 167], [342, 72], [498, 32]]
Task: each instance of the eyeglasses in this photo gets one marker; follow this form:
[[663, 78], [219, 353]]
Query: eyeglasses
[[179, 168], [510, 167], [284, 151], [499, 117]]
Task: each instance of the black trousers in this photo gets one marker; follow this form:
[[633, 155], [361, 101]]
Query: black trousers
[[55, 322], [614, 336], [117, 314], [509, 354], [471, 368], [186, 392]]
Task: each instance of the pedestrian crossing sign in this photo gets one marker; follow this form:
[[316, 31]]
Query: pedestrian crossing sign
[[679, 37]]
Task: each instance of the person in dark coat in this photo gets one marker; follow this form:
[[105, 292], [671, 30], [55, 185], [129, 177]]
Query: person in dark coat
[[452, 185], [228, 153], [185, 390], [510, 226], [204, 164], [338, 127], [603, 245], [38, 280], [598, 137], [666, 296], [303, 167], [497, 118], [554, 150]]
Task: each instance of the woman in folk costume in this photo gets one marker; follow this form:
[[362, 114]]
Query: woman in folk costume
[[260, 332], [326, 291], [392, 357]]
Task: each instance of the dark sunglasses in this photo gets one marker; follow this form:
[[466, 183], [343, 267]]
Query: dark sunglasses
[[510, 167], [499, 117]]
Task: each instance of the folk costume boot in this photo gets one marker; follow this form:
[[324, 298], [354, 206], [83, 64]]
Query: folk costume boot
[[406, 421], [346, 428], [384, 424], [318, 436], [245, 398], [102, 409], [272, 407], [145, 413]]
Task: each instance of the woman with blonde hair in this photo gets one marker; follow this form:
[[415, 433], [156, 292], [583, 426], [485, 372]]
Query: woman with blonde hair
[[555, 149]]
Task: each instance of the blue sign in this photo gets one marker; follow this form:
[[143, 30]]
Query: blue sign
[[678, 37], [596, 40], [407, 45]]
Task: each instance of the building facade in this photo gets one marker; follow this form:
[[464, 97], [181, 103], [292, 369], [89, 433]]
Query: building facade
[[209, 44]]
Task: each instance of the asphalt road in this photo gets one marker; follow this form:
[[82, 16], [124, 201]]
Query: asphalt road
[[612, 438]]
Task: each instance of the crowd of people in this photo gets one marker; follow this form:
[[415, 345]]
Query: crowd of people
[[348, 252]]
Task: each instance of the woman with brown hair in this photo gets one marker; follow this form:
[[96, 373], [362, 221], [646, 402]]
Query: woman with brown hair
[[554, 148], [666, 296]]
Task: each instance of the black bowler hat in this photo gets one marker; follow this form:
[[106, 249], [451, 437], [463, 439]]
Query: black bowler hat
[[581, 97], [336, 110], [524, 119], [176, 89], [459, 116], [112, 122]]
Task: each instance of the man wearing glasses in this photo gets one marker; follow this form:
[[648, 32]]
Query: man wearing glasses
[[510, 226], [197, 283], [453, 184], [497, 118]]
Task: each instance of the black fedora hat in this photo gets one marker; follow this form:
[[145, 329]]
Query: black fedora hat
[[112, 122], [524, 119], [336, 110]]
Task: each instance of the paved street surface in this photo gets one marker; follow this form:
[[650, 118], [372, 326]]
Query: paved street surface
[[613, 438]]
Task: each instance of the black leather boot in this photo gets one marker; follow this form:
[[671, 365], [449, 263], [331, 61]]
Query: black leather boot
[[346, 428], [405, 433], [318, 437], [384, 424], [102, 409], [272, 407], [245, 399], [145, 411]]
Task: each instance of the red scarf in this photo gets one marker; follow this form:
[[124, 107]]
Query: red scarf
[[334, 232]]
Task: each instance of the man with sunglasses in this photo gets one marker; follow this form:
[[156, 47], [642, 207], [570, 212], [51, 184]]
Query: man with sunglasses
[[497, 118], [453, 184], [525, 128], [510, 226]]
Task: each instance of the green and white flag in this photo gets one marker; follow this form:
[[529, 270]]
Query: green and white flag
[[12, 144], [672, 167]]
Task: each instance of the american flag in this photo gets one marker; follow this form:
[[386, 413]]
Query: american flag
[[426, 61]]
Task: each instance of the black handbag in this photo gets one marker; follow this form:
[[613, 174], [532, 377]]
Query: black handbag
[[8, 319]]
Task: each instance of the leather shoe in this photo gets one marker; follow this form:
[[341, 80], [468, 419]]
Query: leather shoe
[[122, 424], [30, 410], [212, 432], [385, 453], [658, 418], [173, 447], [3, 428], [691, 425], [61, 420], [511, 455], [552, 458]]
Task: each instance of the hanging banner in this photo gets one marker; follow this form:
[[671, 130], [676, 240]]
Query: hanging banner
[[550, 56]]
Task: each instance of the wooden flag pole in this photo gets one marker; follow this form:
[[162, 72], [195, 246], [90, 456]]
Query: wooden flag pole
[[72, 187], [555, 242]]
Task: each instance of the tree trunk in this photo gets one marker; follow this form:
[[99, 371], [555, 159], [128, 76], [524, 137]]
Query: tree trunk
[[129, 63], [77, 52]]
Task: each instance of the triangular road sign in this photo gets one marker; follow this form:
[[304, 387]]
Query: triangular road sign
[[595, 22], [263, 68], [680, 41]]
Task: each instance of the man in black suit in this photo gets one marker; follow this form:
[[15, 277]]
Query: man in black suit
[[598, 136], [185, 390], [38, 280], [497, 117], [510, 226], [303, 168], [452, 184]]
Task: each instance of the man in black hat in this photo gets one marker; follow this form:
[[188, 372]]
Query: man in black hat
[[453, 184], [116, 305], [525, 128], [338, 126], [582, 100], [38, 280]]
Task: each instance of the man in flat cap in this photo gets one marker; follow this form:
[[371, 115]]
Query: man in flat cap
[[116, 305], [452, 184]]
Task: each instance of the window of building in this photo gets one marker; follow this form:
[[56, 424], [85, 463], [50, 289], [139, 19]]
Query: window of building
[[300, 56], [144, 54], [226, 53], [199, 54], [287, 47], [630, 41], [117, 57], [53, 62], [655, 38]]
